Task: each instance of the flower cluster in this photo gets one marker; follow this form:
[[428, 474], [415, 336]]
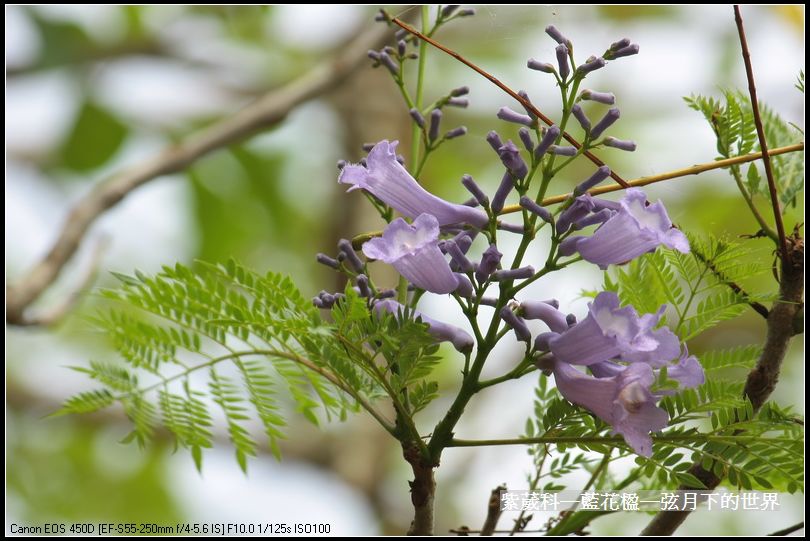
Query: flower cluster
[[626, 355]]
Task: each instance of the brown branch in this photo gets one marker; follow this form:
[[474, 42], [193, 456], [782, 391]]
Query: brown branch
[[56, 314], [497, 82], [493, 511], [763, 144], [265, 112], [789, 530], [762, 379]]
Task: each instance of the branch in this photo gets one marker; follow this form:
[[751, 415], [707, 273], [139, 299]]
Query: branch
[[265, 112], [497, 82], [789, 530], [493, 511], [762, 379], [763, 144], [358, 240]]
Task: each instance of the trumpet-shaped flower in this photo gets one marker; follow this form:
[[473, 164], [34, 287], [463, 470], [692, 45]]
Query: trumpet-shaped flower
[[385, 178]]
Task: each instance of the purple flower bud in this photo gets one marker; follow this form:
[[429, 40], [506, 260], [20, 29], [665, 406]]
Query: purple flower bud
[[562, 61], [464, 240], [512, 228], [489, 301], [362, 285], [542, 340], [469, 12], [557, 36], [513, 274], [475, 190], [563, 151], [444, 332], [400, 34], [388, 50], [545, 67], [317, 302], [324, 259], [401, 45], [625, 51], [449, 10], [471, 202], [456, 132], [526, 137], [341, 164], [363, 162], [418, 118], [621, 44], [507, 183], [621, 144], [387, 294], [435, 120], [534, 208], [368, 146], [494, 140], [596, 218], [374, 55], [510, 156], [602, 97], [465, 287], [489, 263], [351, 257], [507, 114], [581, 117], [581, 207], [389, 63], [460, 91], [607, 120], [525, 95], [548, 314], [545, 143], [591, 65], [458, 102], [461, 261], [571, 320], [518, 325], [381, 16], [601, 174]]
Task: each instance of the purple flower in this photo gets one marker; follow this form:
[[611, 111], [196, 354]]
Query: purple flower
[[506, 185], [441, 331], [389, 181], [581, 207], [518, 325], [545, 143], [563, 151], [601, 174], [526, 137], [534, 208], [413, 250], [610, 117], [417, 117], [507, 114], [633, 230], [602, 97], [456, 132], [610, 332], [545, 312], [510, 156], [556, 35], [545, 67], [494, 140], [490, 260], [562, 61], [621, 144], [581, 117], [624, 401], [688, 371], [435, 121], [591, 65], [475, 190]]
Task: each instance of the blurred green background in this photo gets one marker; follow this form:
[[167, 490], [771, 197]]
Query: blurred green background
[[93, 89]]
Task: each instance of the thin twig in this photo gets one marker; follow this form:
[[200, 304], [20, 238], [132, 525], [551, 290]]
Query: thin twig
[[56, 314], [265, 112], [763, 144], [789, 530], [358, 240], [759, 308], [493, 511], [497, 82]]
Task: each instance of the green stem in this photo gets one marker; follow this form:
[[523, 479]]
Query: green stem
[[749, 200], [420, 76]]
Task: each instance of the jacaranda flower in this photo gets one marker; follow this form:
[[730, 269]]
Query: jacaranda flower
[[413, 250], [624, 401], [610, 332], [385, 178], [633, 230], [443, 332]]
